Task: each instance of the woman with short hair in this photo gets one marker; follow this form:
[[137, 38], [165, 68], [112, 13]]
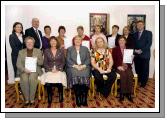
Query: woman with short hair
[[78, 69], [124, 69], [28, 78]]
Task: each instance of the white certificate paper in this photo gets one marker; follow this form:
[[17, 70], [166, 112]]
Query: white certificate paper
[[86, 44], [128, 56], [67, 43], [111, 42], [31, 63]]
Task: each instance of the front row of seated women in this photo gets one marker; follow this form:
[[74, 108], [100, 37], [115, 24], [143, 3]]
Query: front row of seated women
[[77, 64]]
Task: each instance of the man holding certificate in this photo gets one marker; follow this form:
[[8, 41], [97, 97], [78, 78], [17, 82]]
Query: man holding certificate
[[29, 64], [123, 58]]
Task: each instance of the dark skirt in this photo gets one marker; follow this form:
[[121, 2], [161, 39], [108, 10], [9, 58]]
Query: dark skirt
[[126, 81], [104, 86], [79, 80]]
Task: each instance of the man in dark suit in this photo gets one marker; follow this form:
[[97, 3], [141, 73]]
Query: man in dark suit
[[113, 37], [143, 42], [35, 33]]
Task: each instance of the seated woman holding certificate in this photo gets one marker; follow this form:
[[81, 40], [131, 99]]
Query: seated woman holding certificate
[[78, 69], [54, 61], [29, 64], [123, 68], [102, 62]]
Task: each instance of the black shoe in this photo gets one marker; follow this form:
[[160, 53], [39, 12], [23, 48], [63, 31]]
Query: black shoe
[[143, 85], [26, 103], [60, 97], [130, 98], [49, 98], [84, 100], [121, 97], [32, 102], [78, 101], [49, 105]]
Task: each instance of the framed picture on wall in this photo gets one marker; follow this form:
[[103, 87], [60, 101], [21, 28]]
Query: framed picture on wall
[[132, 19], [99, 19]]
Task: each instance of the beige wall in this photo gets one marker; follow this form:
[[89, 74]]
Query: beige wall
[[71, 17]]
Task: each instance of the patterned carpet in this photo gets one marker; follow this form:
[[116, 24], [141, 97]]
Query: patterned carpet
[[145, 99]]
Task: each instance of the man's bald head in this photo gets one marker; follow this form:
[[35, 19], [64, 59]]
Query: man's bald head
[[35, 23]]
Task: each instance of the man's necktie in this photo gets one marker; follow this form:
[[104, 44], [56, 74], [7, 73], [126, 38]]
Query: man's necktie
[[36, 31], [139, 35]]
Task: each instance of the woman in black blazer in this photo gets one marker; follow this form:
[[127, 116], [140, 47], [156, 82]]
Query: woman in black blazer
[[129, 38], [16, 40]]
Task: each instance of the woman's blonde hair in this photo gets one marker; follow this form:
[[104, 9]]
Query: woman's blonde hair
[[105, 44], [125, 28]]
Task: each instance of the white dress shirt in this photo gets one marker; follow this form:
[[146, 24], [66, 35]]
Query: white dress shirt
[[20, 37], [36, 29], [78, 58], [111, 41]]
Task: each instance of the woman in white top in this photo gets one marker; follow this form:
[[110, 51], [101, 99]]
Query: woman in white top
[[97, 34], [78, 70], [16, 43]]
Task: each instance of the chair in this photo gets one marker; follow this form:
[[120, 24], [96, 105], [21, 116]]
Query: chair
[[17, 81], [92, 87], [43, 88], [135, 86]]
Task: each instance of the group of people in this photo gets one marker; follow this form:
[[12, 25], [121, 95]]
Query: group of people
[[72, 67]]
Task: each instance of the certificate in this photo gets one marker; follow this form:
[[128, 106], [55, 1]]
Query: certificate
[[67, 43], [31, 63], [128, 56], [86, 44], [111, 42]]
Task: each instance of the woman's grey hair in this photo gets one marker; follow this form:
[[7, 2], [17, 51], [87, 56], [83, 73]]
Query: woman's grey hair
[[29, 38]]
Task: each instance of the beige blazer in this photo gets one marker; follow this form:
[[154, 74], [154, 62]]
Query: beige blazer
[[21, 60]]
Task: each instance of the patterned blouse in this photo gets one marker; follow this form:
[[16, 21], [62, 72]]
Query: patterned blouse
[[102, 60]]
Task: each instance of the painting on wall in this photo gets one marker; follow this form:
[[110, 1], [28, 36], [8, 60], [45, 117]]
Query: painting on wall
[[99, 19], [132, 19]]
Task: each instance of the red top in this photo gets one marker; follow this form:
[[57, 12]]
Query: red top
[[86, 38], [118, 57]]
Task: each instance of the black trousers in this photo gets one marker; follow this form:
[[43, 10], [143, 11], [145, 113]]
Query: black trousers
[[104, 86], [14, 61], [81, 92], [79, 89], [49, 90], [142, 69]]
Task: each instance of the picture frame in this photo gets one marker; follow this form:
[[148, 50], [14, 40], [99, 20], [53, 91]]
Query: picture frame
[[101, 19], [132, 20]]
